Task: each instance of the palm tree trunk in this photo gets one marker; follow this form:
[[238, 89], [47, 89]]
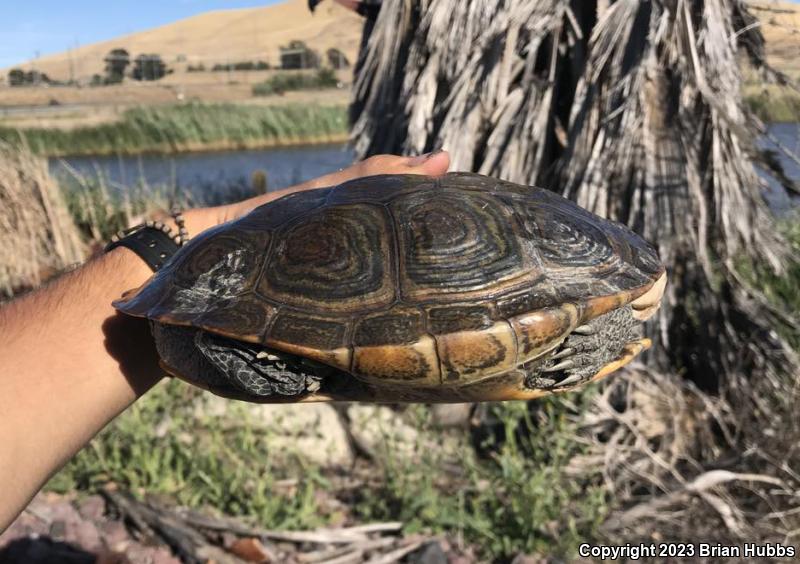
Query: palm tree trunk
[[632, 109]]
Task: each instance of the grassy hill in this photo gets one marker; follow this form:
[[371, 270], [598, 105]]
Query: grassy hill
[[780, 23], [222, 36]]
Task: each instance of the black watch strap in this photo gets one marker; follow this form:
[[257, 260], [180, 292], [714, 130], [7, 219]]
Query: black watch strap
[[152, 241]]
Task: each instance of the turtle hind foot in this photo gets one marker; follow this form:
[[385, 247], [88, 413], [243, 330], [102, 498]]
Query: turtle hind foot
[[585, 352]]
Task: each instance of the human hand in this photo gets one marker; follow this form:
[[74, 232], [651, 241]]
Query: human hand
[[199, 219]]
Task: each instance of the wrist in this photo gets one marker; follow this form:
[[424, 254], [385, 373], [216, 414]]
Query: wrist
[[131, 270]]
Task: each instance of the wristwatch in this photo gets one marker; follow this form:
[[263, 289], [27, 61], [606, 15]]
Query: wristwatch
[[153, 241]]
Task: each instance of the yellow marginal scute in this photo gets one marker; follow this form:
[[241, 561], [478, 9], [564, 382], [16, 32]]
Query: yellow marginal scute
[[416, 364], [540, 331], [469, 355]]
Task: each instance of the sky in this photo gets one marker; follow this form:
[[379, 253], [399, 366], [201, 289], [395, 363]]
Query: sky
[[28, 27]]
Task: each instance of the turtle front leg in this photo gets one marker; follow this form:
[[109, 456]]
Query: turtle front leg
[[259, 372]]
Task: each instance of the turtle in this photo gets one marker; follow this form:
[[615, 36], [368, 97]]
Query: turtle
[[403, 288]]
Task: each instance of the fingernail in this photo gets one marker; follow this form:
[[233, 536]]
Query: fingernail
[[419, 159]]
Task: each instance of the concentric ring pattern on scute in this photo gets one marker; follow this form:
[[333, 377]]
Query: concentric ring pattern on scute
[[567, 242], [454, 242], [333, 259]]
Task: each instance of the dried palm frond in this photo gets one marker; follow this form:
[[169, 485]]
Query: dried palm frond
[[686, 465], [633, 109], [662, 143]]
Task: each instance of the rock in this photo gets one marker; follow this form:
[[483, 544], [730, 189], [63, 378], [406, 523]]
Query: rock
[[428, 553], [378, 428], [150, 554], [57, 529], [209, 405], [451, 414], [215, 555], [313, 430], [58, 519], [115, 535], [92, 507], [252, 550]]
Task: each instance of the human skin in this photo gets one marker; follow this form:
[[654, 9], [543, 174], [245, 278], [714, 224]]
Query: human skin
[[69, 363]]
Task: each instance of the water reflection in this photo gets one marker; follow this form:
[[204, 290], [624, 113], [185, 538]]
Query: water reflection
[[201, 173]]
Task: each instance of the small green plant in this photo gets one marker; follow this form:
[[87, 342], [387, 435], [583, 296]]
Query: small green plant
[[514, 497], [287, 81], [782, 291], [162, 445], [773, 104]]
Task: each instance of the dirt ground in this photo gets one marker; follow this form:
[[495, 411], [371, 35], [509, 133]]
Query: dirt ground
[[94, 529]]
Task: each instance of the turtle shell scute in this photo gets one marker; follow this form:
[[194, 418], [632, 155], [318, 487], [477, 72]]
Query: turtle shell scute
[[393, 260]]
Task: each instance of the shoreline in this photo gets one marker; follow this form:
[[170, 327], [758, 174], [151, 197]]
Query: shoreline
[[209, 147]]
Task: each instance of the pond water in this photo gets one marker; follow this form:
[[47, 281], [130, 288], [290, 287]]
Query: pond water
[[787, 136], [215, 172]]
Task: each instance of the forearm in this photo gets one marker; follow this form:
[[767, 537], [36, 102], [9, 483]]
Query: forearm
[[68, 366]]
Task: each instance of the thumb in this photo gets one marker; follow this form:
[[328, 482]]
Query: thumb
[[435, 163]]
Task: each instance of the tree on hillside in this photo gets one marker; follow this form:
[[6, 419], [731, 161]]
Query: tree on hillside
[[116, 61], [16, 77], [36, 77], [633, 109], [149, 67], [19, 77]]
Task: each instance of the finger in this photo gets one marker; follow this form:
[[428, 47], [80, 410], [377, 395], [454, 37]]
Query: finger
[[433, 164]]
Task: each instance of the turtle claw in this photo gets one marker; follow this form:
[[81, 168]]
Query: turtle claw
[[584, 330], [269, 356], [569, 351], [565, 365], [574, 379]]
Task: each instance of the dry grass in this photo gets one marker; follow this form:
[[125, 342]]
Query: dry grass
[[681, 465], [37, 233]]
